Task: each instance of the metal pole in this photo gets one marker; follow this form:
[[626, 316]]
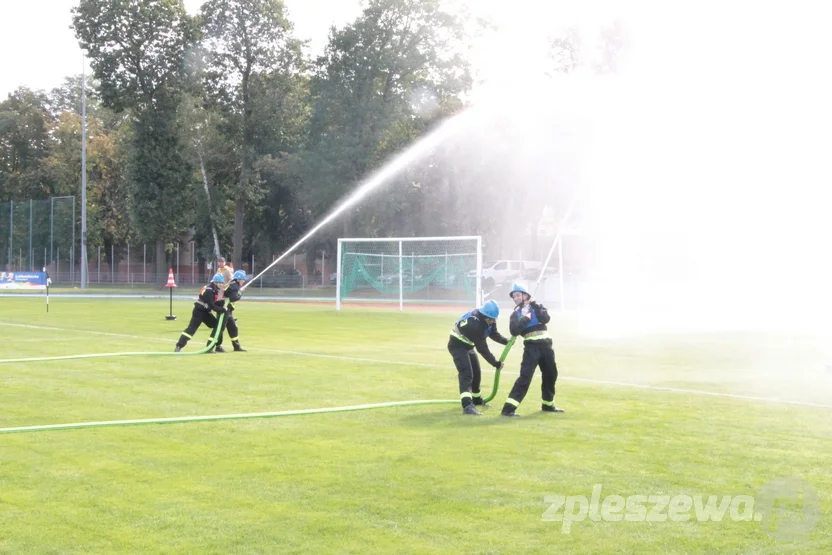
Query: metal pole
[[30, 255], [112, 264], [99, 264], [401, 281], [177, 260], [128, 263], [83, 174], [193, 261], [72, 251], [144, 264], [479, 296], [323, 267], [11, 235], [339, 269], [51, 228], [560, 269]]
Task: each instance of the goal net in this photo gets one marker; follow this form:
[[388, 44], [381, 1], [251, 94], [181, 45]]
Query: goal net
[[411, 270]]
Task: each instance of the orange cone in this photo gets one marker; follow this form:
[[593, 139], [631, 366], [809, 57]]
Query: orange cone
[[171, 282]]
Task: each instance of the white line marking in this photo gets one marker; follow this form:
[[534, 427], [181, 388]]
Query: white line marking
[[484, 370], [697, 392], [72, 330]]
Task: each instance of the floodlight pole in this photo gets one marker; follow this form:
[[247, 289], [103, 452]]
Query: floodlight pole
[[83, 174]]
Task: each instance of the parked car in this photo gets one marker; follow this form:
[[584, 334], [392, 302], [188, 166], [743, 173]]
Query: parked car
[[283, 277], [503, 271]]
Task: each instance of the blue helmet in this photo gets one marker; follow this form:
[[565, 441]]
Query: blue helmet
[[217, 279], [518, 288], [239, 274], [490, 309]]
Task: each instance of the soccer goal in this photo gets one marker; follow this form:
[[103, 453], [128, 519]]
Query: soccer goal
[[409, 270]]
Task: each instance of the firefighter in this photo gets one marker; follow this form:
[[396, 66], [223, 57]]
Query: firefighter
[[232, 295], [467, 334], [207, 302], [529, 319]]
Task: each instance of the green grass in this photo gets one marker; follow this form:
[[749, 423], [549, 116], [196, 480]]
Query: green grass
[[419, 479]]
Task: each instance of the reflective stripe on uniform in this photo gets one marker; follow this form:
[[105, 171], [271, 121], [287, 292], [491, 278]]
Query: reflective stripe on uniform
[[536, 335], [188, 336], [476, 395], [465, 395], [461, 337], [511, 401], [548, 403]]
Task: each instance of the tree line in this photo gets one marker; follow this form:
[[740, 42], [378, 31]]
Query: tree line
[[223, 128]]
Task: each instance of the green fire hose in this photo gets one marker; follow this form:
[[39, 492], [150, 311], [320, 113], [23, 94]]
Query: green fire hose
[[503, 356]]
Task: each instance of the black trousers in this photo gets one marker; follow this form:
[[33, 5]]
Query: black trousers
[[469, 372], [536, 354], [229, 323], [199, 316]]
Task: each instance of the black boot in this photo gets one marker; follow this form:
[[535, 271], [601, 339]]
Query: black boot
[[471, 410], [550, 408], [508, 410], [219, 349], [237, 347], [177, 349]]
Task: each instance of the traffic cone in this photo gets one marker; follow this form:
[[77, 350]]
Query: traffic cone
[[170, 285]]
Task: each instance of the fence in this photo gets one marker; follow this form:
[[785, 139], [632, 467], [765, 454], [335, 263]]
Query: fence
[[47, 233], [38, 233]]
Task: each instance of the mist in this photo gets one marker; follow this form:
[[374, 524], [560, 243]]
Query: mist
[[701, 184]]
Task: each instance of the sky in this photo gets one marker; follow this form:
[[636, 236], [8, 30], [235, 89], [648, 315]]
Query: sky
[[44, 49], [39, 48]]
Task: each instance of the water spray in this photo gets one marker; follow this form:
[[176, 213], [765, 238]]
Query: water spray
[[511, 341], [423, 145]]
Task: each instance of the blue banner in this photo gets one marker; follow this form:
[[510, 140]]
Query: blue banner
[[24, 280]]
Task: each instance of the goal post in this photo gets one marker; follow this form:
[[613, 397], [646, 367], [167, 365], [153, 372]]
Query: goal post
[[415, 270]]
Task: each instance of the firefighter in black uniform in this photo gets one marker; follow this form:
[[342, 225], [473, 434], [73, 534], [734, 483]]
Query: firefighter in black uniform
[[529, 319], [232, 295], [208, 301], [469, 333]]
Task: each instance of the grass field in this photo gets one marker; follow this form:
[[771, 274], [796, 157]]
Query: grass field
[[417, 479]]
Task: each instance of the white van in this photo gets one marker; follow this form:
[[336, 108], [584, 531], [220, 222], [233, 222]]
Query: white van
[[503, 271]]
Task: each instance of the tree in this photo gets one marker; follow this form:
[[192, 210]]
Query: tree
[[280, 128], [569, 50], [244, 38], [137, 49], [108, 144], [382, 81], [204, 146], [25, 123]]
